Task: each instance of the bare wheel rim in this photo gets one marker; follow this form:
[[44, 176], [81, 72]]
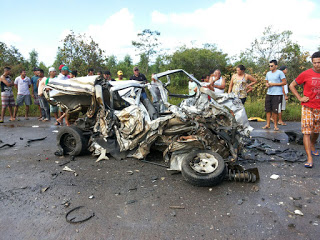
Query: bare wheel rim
[[204, 163]]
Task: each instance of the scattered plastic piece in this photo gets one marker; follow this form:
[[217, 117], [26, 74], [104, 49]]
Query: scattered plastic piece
[[298, 212], [274, 176]]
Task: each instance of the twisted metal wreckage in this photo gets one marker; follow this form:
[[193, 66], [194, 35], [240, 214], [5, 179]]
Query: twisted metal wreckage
[[201, 137]]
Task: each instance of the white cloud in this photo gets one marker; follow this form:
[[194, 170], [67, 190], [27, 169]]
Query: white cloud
[[234, 24], [10, 38]]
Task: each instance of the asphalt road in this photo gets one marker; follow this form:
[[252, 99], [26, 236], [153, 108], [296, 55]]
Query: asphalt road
[[134, 200]]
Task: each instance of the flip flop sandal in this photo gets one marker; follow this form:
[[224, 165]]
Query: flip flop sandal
[[315, 153], [308, 165], [1, 121], [283, 124], [57, 123], [276, 129], [265, 127]]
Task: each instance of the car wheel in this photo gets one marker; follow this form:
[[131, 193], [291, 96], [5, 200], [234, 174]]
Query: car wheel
[[203, 168], [72, 141]]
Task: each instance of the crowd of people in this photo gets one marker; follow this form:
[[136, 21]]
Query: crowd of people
[[241, 84], [33, 88]]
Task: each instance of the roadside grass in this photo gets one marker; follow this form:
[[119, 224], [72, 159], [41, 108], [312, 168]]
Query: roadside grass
[[255, 108], [33, 109]]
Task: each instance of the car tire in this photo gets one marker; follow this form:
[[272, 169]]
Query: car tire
[[72, 141], [203, 168]]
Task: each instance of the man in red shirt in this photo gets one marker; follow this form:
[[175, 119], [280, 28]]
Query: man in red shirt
[[310, 112]]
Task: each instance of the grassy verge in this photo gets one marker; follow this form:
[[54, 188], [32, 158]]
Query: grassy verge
[[33, 110], [255, 108]]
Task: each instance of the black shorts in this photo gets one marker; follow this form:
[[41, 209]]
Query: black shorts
[[273, 102]]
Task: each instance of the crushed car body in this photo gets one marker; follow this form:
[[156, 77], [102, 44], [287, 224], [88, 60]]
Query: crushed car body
[[201, 137]]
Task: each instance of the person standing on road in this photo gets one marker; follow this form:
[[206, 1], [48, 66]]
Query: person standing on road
[[310, 111], [275, 79], [7, 98], [22, 83], [239, 85], [285, 91], [34, 84], [53, 108], [43, 101]]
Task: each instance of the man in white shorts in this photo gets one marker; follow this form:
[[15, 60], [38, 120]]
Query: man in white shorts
[[285, 91]]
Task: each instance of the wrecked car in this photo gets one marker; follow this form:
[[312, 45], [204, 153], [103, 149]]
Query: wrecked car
[[201, 137]]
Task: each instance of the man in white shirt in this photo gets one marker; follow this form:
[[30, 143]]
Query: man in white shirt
[[217, 81], [64, 75], [22, 83]]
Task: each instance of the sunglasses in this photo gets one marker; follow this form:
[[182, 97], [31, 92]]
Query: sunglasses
[[271, 65], [136, 70]]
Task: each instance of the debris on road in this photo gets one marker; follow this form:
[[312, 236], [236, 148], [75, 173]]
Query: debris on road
[[44, 189], [73, 221], [177, 207], [66, 168], [298, 212], [131, 202], [274, 176], [34, 140], [8, 145]]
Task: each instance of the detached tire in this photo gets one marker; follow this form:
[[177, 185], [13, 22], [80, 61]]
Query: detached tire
[[203, 168], [72, 141]]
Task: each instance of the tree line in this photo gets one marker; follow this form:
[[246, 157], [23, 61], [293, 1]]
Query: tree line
[[81, 52]]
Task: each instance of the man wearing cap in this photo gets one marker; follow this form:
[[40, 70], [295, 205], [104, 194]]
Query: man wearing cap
[[137, 75], [64, 75], [120, 76], [60, 67], [284, 69]]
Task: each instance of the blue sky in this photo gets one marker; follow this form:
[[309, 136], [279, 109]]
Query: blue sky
[[230, 24]]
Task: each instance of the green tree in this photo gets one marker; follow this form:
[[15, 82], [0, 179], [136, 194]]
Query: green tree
[[198, 61], [147, 46], [33, 59], [10, 56], [58, 61], [273, 45], [80, 52], [125, 66], [112, 64]]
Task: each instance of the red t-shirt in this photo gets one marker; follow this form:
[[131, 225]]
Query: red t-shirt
[[311, 87]]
